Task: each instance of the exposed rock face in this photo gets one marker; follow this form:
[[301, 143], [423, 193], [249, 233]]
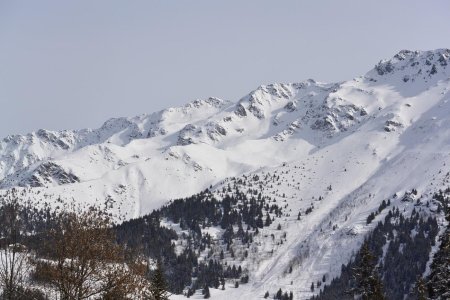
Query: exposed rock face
[[185, 136], [49, 172]]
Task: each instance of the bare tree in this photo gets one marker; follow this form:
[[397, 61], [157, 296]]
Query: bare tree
[[87, 260], [14, 265]]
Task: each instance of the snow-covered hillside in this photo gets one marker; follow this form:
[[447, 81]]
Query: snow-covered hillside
[[337, 148]]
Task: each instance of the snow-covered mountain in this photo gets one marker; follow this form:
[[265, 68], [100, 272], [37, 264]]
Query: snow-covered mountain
[[352, 144]]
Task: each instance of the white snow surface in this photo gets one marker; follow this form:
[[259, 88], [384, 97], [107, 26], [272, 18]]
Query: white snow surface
[[369, 138]]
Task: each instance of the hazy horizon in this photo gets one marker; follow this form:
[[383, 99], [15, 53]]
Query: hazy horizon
[[75, 64]]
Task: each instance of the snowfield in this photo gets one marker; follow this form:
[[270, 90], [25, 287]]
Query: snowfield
[[338, 148]]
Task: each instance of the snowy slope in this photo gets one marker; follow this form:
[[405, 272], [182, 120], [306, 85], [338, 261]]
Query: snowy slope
[[353, 144]]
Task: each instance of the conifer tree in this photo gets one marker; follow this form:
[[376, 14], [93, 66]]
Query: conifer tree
[[278, 294], [158, 288], [206, 293], [420, 289], [439, 279], [368, 284]]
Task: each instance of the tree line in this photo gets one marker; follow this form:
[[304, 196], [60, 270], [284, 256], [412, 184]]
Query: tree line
[[81, 253]]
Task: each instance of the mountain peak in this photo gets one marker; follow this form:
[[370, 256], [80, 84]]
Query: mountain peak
[[414, 64]]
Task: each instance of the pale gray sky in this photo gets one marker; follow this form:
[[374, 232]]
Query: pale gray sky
[[74, 64]]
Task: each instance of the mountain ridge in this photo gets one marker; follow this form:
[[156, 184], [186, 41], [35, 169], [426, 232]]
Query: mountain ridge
[[310, 112], [324, 154]]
